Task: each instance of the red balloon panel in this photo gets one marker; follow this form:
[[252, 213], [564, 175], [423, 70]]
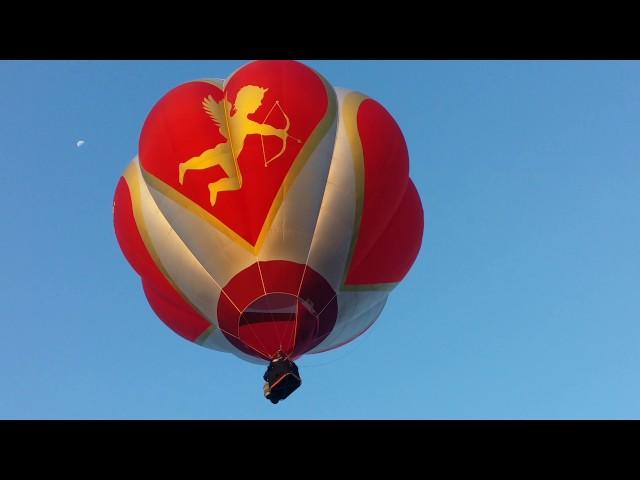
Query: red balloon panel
[[390, 219], [172, 309], [179, 128]]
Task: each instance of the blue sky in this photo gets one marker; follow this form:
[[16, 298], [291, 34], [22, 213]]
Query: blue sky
[[522, 304]]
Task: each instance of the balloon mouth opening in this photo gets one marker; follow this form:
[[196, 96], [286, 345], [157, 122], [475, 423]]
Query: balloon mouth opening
[[276, 317], [277, 305], [272, 307]]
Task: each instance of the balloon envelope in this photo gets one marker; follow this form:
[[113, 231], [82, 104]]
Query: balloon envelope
[[270, 211]]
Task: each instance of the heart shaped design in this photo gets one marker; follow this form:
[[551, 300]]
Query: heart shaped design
[[228, 150]]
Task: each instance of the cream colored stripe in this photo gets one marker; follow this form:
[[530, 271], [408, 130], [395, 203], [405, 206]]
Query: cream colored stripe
[[186, 271], [292, 231], [172, 257], [338, 222], [210, 341], [132, 177], [334, 229], [349, 116], [361, 315], [221, 257], [309, 147]]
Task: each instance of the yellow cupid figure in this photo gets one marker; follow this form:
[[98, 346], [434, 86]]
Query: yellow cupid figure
[[234, 126]]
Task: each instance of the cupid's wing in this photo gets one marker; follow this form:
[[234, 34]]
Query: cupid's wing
[[216, 111]]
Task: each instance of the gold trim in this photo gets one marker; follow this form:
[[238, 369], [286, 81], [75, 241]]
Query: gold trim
[[298, 164], [131, 175], [193, 207], [350, 106], [204, 336]]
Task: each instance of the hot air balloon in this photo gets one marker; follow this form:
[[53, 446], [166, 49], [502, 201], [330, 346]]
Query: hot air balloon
[[269, 215]]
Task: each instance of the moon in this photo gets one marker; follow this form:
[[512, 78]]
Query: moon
[[79, 143]]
